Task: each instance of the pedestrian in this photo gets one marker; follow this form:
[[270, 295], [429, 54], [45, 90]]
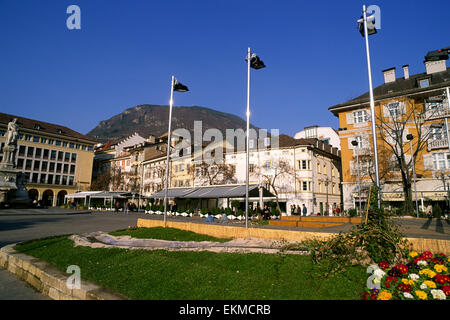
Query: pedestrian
[[298, 211], [266, 212], [305, 211], [292, 209], [338, 211], [125, 208], [430, 215]]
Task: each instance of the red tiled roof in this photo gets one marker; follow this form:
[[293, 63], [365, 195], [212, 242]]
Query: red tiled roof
[[44, 127]]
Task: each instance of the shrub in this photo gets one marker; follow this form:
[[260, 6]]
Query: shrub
[[352, 212], [204, 211], [240, 212], [147, 207], [276, 212], [235, 204], [437, 212], [180, 209]]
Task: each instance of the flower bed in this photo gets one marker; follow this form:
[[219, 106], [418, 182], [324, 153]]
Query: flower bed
[[424, 277]]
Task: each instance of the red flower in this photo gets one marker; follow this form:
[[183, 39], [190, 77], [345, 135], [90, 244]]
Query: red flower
[[369, 294], [390, 280], [404, 287], [427, 255], [402, 268], [442, 254], [418, 259], [441, 278], [446, 290], [383, 265]]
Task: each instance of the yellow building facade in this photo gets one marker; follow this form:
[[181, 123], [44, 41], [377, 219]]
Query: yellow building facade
[[55, 159], [415, 105]]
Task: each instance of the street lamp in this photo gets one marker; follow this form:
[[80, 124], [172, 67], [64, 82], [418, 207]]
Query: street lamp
[[253, 61], [368, 24], [356, 144], [410, 138], [174, 86]]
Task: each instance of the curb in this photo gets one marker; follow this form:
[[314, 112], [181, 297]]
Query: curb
[[50, 281]]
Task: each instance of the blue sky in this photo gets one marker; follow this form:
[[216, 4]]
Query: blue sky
[[126, 52]]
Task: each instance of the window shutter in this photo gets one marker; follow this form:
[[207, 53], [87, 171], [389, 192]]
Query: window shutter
[[349, 118], [428, 161]]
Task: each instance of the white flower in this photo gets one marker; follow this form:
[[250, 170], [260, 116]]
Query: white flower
[[408, 295], [423, 286], [438, 294], [414, 277], [422, 263], [379, 273]]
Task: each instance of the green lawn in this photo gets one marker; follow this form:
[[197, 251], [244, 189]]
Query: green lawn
[[141, 274], [166, 234]]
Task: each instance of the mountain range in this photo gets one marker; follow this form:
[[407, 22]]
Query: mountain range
[[149, 120]]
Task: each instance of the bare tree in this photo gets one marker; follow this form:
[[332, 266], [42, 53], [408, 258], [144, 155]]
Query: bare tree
[[395, 121], [213, 173], [275, 177]]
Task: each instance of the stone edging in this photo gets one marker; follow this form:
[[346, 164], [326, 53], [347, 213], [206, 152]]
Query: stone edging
[[48, 280]]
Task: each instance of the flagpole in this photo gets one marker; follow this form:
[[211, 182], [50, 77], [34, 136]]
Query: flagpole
[[247, 138], [168, 150]]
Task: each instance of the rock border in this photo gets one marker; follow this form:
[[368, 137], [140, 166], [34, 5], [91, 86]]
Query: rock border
[[48, 280]]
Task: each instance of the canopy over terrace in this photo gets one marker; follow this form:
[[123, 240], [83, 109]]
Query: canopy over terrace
[[105, 195], [215, 192]]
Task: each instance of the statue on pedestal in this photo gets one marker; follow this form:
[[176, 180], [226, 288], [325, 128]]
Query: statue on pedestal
[[12, 182]]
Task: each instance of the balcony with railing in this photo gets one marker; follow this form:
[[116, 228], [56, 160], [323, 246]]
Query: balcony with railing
[[437, 144]]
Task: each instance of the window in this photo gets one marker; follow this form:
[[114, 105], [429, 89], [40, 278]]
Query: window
[[359, 139], [28, 165], [64, 144], [66, 156], [21, 151], [35, 139], [394, 109], [51, 141], [267, 165], [305, 185], [251, 144], [20, 163], [360, 116], [52, 167], [304, 165], [266, 142], [440, 161], [424, 83], [74, 157], [53, 155], [71, 145], [43, 140], [37, 164], [44, 166], [27, 137], [34, 179], [50, 179], [64, 180], [251, 167], [43, 177], [58, 167], [57, 179], [46, 152], [72, 169], [70, 181], [30, 151], [38, 153], [66, 168], [60, 155], [58, 143]]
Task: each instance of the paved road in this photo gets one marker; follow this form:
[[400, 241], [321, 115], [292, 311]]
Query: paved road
[[44, 223]]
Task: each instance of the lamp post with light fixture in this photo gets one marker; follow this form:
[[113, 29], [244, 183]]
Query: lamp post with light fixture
[[410, 138], [253, 61]]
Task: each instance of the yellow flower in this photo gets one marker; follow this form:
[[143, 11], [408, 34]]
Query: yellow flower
[[440, 267], [421, 294], [428, 272], [430, 284], [384, 295], [413, 254], [408, 281]]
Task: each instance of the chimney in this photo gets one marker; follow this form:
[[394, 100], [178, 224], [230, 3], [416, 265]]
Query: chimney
[[406, 71], [435, 66], [151, 139], [389, 75]]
